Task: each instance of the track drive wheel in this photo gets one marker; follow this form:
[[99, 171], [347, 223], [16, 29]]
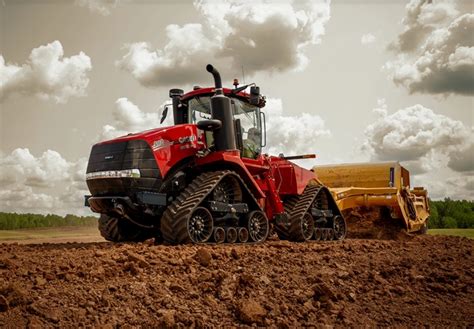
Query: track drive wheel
[[121, 230], [200, 225], [302, 229], [258, 226], [340, 228]]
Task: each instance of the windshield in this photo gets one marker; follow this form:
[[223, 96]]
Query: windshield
[[247, 114], [200, 109]]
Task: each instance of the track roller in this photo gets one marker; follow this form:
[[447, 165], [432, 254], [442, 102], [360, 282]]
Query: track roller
[[330, 234], [219, 234], [243, 234], [324, 235], [318, 234], [231, 235]]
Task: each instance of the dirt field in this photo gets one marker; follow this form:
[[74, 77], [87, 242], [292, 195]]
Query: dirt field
[[427, 280]]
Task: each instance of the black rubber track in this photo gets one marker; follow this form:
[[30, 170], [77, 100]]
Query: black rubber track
[[120, 230], [289, 204], [175, 219], [305, 200]]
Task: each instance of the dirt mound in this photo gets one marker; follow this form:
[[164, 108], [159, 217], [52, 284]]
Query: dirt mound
[[374, 223], [427, 280]]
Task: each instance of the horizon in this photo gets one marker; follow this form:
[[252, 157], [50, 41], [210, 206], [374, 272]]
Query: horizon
[[363, 81]]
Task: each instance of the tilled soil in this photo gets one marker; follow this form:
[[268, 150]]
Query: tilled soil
[[426, 280]]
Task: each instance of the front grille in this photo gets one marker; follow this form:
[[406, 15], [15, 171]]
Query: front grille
[[135, 154]]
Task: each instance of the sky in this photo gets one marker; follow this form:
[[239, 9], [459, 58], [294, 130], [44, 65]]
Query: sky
[[351, 81]]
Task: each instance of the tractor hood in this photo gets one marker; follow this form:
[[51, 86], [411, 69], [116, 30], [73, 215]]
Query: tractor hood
[[144, 135], [158, 149]]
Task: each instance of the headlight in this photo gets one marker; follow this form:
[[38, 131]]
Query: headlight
[[127, 173]]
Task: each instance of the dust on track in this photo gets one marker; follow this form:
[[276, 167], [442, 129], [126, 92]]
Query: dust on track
[[426, 280]]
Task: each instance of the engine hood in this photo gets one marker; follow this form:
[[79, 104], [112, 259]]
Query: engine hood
[[150, 134]]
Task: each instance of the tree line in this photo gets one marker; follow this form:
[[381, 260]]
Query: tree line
[[444, 214], [13, 221], [451, 214]]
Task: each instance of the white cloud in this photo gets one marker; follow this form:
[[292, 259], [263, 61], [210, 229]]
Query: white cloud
[[46, 74], [414, 134], [101, 7], [457, 187], [128, 118], [435, 53], [292, 134], [367, 39], [462, 159], [423, 17], [258, 36], [437, 150], [44, 184]]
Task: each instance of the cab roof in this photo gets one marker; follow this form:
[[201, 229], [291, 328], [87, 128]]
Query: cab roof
[[210, 91]]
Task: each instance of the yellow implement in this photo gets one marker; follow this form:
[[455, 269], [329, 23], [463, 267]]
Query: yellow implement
[[380, 188]]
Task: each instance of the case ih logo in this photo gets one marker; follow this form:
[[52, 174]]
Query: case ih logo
[[187, 139], [163, 142], [157, 144]]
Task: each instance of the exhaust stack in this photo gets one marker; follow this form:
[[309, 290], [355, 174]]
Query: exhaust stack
[[224, 137]]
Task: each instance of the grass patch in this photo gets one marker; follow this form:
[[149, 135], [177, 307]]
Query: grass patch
[[464, 232], [48, 233]]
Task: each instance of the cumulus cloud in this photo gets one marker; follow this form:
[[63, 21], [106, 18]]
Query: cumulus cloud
[[367, 39], [414, 135], [457, 187], [421, 18], [462, 160], [435, 52], [258, 36], [128, 118], [101, 7], [292, 134], [46, 74], [44, 184], [437, 150]]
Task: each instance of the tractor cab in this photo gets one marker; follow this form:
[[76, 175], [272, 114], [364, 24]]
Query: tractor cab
[[249, 120]]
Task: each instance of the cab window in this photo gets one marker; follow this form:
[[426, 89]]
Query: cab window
[[248, 115], [250, 125], [199, 109]]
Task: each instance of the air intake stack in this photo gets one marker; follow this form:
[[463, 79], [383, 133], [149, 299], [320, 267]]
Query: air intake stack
[[224, 137]]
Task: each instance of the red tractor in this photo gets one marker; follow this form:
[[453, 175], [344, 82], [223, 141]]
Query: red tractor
[[204, 179]]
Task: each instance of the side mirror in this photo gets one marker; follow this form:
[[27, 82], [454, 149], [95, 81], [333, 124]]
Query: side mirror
[[209, 125], [164, 114]]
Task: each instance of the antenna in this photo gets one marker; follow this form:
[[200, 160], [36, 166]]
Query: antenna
[[243, 74]]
